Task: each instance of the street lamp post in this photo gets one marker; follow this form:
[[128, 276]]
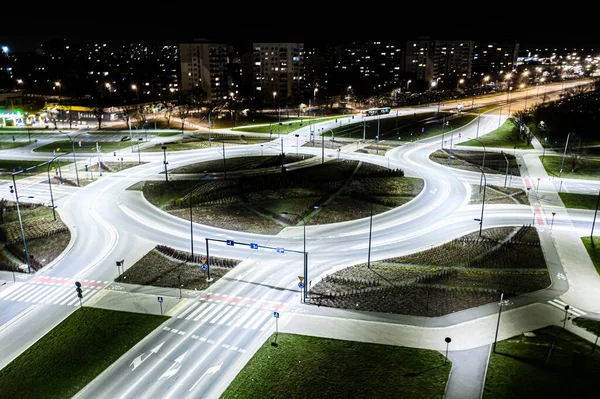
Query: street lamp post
[[482, 164], [305, 256], [563, 157], [73, 149], [164, 148], [506, 174], [191, 220], [21, 222], [594, 222], [370, 231], [478, 118], [499, 313]]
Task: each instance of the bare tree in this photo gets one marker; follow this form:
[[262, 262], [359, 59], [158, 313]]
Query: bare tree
[[578, 157], [99, 114], [140, 113], [184, 108], [168, 110]]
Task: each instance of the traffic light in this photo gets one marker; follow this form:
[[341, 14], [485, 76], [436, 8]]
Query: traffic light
[[78, 289], [86, 168], [11, 189]]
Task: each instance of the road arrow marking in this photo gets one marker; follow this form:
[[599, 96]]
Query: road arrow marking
[[141, 359], [174, 368], [242, 275], [433, 191], [209, 371]]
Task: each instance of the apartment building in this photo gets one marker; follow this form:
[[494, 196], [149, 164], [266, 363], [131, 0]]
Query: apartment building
[[205, 66], [278, 70]]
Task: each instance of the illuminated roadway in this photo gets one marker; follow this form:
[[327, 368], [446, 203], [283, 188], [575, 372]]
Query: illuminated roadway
[[198, 351]]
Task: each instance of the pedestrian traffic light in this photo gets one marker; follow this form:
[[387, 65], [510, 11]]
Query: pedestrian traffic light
[[78, 289], [86, 168], [11, 189]]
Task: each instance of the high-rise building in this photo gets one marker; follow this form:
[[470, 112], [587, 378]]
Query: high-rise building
[[493, 57], [429, 59], [279, 71], [204, 66]]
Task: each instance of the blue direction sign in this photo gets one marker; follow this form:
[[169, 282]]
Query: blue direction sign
[[478, 220], [160, 299], [230, 243], [300, 284], [204, 266], [276, 315], [280, 250], [253, 245]]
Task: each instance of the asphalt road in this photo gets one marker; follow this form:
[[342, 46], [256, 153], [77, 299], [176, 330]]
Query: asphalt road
[[205, 344]]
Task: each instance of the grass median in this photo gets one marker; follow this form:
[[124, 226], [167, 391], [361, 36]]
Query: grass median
[[73, 353], [551, 364], [590, 171], [579, 201], [312, 367], [506, 136], [593, 251], [287, 127]]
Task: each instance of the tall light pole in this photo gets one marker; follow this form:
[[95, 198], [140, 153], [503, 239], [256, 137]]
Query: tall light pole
[[21, 220], [499, 313], [315, 96], [191, 220], [305, 255], [482, 164], [50, 185], [370, 231], [564, 154], [478, 118], [506, 174], [73, 149], [594, 222], [164, 148]]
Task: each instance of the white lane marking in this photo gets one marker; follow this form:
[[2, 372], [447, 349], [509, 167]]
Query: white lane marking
[[171, 371], [46, 294], [212, 305], [54, 295], [209, 371], [62, 296], [89, 296], [195, 312], [220, 314], [139, 360], [252, 319], [21, 293], [189, 309]]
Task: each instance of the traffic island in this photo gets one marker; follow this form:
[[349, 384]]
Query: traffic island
[[303, 366], [464, 273], [72, 354], [251, 194], [546, 363], [167, 267]]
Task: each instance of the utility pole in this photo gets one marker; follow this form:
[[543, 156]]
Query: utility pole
[[224, 163], [370, 231], [164, 148], [594, 222], [564, 154]]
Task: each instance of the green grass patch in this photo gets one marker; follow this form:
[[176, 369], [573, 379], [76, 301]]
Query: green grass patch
[[579, 201], [9, 166], [168, 134], [589, 325], [507, 136], [8, 145], [519, 368], [353, 370], [287, 127], [71, 355], [86, 146], [590, 171], [593, 251]]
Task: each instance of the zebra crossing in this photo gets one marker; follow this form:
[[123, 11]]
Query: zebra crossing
[[52, 291], [561, 305], [231, 311]]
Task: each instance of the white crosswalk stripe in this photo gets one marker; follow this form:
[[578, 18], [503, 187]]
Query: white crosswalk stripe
[[211, 314], [195, 312], [220, 315], [27, 291], [62, 296], [228, 315], [262, 316], [54, 295], [205, 311], [245, 316], [189, 309], [43, 291], [250, 320], [7, 291], [561, 305]]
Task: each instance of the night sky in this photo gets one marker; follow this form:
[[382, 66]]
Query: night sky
[[534, 27]]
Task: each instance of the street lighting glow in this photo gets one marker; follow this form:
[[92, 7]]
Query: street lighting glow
[[522, 85], [433, 84], [20, 81], [461, 81], [508, 76], [107, 85], [133, 87], [57, 84]]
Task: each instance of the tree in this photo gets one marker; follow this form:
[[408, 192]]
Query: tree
[[577, 154], [167, 107], [140, 113], [184, 108], [99, 114]]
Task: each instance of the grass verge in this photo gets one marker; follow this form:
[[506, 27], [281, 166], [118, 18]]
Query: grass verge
[[593, 251], [71, 355], [87, 147], [287, 127], [591, 170], [520, 368], [579, 201], [507, 136], [354, 370]]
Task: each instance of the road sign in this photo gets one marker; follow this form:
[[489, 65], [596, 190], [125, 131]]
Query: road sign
[[422, 130], [276, 315], [203, 260], [204, 267], [230, 243], [301, 278], [118, 263], [300, 284], [479, 220], [280, 250], [160, 299], [253, 245], [80, 143]]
